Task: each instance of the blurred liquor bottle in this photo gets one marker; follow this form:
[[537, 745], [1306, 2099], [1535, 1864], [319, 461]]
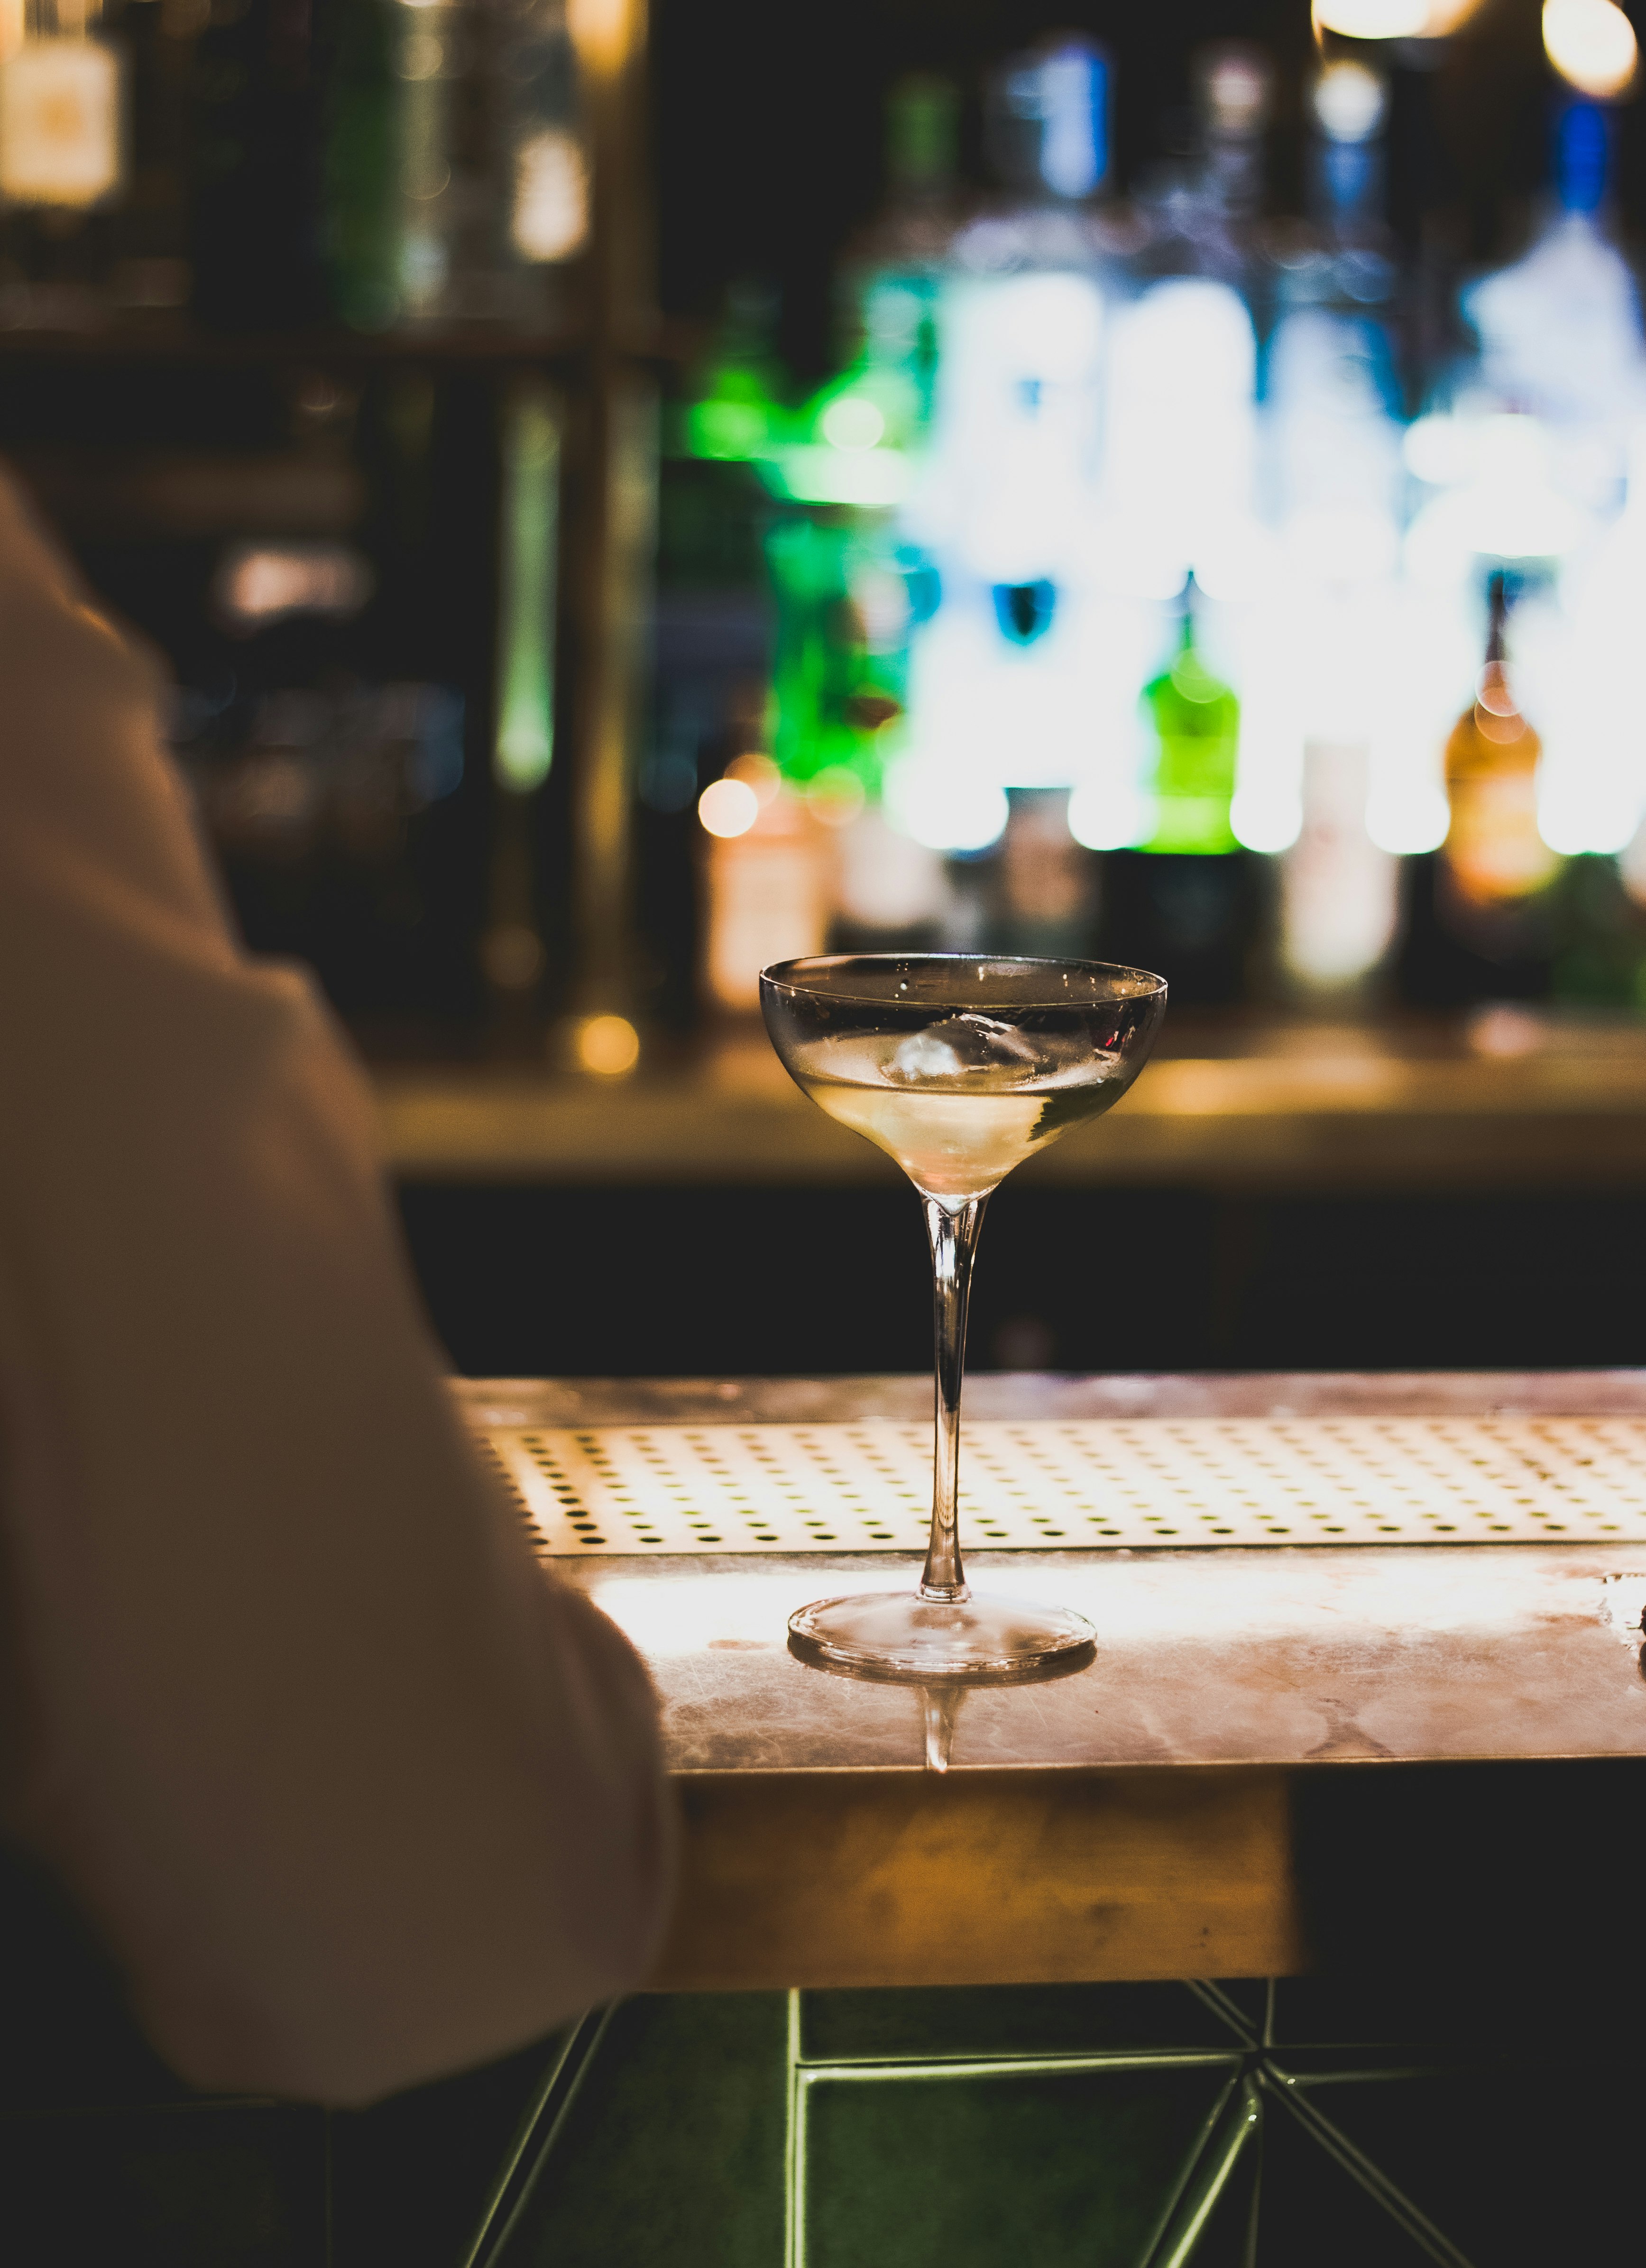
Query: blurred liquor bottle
[[1598, 922], [333, 645], [1187, 902], [454, 165], [848, 583], [1560, 329], [151, 276], [1196, 728], [358, 226], [1341, 257], [1480, 920], [1494, 854], [1336, 482], [493, 180], [997, 527], [712, 655], [64, 161], [1200, 207], [840, 653], [1048, 130], [845, 587], [1178, 499], [254, 156], [1339, 891], [851, 581], [891, 281], [765, 880]]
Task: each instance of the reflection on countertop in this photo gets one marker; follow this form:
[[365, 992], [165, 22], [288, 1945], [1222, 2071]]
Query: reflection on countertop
[[1204, 1658]]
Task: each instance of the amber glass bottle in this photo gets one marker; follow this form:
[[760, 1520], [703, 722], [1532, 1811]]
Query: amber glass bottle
[[1493, 854]]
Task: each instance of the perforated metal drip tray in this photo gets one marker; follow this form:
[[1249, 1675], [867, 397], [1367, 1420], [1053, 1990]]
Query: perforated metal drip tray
[[1080, 1484]]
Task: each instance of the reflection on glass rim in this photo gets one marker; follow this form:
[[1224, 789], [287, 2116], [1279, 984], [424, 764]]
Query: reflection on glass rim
[[799, 977]]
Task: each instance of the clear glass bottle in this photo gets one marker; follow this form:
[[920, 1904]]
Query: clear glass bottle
[[455, 165], [64, 161], [1335, 480]]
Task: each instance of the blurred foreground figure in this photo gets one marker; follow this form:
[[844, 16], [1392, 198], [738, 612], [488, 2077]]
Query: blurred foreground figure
[[353, 1792]]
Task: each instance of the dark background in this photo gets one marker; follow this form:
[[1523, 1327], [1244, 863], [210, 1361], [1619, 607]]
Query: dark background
[[592, 1282], [769, 125]]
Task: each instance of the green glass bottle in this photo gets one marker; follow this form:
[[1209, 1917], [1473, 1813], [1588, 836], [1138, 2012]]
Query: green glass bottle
[[838, 677], [360, 232], [735, 413], [1195, 720]]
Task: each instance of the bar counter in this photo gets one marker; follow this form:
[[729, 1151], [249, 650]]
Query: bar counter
[[1506, 1099], [1138, 1819]]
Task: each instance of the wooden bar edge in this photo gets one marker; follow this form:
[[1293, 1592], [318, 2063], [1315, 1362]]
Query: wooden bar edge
[[841, 1879]]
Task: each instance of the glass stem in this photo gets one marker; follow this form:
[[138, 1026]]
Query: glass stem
[[952, 1233]]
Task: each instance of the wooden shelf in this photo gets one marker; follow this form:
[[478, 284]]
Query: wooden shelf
[[180, 342], [1323, 1108]]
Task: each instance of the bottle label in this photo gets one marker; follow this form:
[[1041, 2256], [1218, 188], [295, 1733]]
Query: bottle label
[[60, 112]]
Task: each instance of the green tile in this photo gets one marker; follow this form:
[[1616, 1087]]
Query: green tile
[[673, 2155], [1006, 2019], [1071, 2170], [204, 2187]]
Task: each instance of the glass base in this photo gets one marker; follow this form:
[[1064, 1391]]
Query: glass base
[[899, 1636]]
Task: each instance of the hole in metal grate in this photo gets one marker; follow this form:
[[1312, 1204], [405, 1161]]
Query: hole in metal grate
[[642, 1490]]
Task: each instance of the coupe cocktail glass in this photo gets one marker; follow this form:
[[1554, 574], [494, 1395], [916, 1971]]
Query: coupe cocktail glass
[[960, 1068]]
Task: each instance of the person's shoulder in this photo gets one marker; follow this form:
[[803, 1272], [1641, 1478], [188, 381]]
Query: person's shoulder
[[30, 562], [51, 627]]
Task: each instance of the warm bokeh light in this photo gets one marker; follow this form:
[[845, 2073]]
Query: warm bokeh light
[[607, 1045], [257, 583], [758, 772], [551, 196], [608, 32], [835, 796], [1393, 19], [1373, 19], [728, 807], [1592, 46], [60, 124]]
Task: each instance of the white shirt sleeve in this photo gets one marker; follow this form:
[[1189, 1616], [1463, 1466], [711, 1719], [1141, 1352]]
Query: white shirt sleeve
[[354, 1792]]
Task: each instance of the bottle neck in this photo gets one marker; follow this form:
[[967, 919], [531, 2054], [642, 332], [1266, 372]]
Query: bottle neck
[[1049, 123], [922, 127], [1583, 159]]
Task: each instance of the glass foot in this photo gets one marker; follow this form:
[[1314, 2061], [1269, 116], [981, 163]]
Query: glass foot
[[900, 1635]]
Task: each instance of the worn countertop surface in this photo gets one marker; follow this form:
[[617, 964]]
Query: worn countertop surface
[[1209, 1657], [1152, 1814]]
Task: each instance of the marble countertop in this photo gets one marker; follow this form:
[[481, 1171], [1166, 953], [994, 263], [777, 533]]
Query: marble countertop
[[1205, 1657], [1139, 1818]]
